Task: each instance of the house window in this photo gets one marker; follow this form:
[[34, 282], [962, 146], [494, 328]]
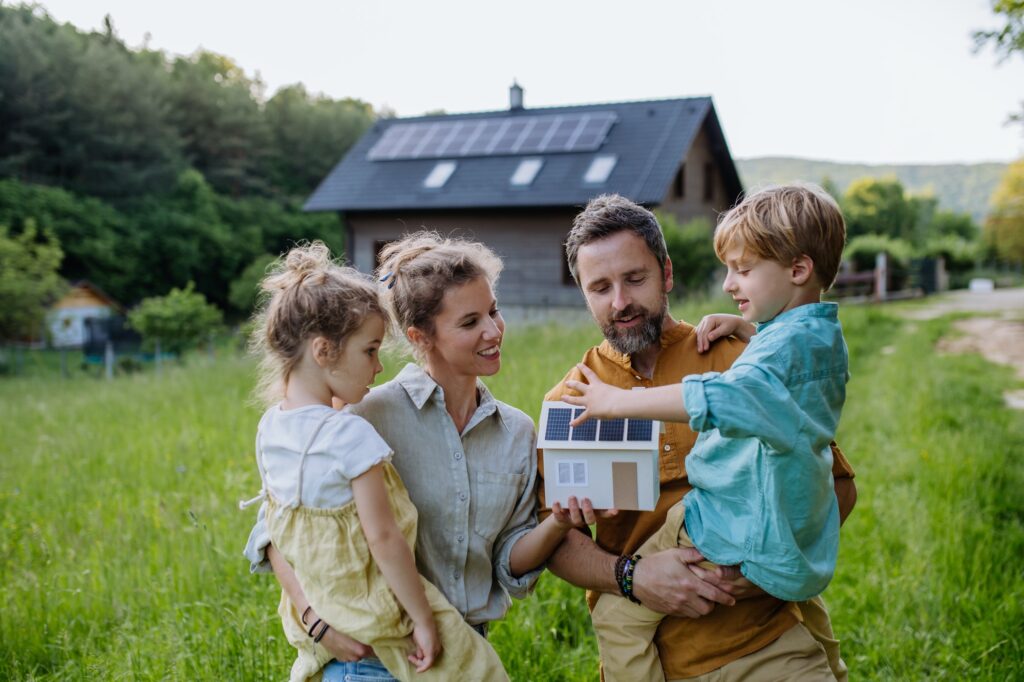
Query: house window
[[679, 184], [526, 171], [600, 168], [709, 182], [439, 175]]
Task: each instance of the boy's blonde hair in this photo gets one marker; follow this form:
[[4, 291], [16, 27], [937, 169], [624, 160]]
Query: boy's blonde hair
[[781, 223], [305, 295], [416, 271]]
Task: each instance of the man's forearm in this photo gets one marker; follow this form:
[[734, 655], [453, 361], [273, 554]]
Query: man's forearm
[[582, 563]]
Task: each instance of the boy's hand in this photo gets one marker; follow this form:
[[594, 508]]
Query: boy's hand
[[428, 645], [713, 327], [599, 399]]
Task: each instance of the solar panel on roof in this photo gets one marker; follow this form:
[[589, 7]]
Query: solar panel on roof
[[558, 424], [639, 429], [585, 431], [574, 132], [612, 430]]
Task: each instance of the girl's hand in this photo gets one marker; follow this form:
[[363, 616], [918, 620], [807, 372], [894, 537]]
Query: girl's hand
[[599, 399], [714, 327], [428, 645], [344, 648]]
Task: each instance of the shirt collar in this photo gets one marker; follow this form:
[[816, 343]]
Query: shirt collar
[[669, 336], [421, 386], [826, 310]]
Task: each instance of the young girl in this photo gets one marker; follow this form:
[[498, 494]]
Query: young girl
[[336, 509]]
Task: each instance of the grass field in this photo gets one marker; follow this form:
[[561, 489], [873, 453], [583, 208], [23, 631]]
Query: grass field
[[120, 536]]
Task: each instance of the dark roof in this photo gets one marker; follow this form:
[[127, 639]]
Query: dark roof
[[649, 139]]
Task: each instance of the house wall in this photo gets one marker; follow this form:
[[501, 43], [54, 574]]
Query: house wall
[[693, 203], [529, 242], [67, 325]]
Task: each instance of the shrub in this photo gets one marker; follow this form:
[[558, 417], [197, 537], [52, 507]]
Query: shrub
[[179, 320], [692, 250]]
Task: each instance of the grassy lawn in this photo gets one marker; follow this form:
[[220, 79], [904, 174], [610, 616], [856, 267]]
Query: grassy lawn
[[120, 536]]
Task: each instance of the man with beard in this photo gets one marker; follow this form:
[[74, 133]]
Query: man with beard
[[719, 626]]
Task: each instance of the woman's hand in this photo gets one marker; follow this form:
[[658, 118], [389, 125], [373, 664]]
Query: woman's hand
[[428, 645], [717, 326], [578, 515]]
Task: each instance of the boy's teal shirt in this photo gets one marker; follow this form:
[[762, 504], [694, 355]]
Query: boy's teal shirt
[[763, 494]]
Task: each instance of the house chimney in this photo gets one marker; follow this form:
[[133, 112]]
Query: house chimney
[[515, 97]]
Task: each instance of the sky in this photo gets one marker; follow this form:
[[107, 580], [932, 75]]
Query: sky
[[869, 81]]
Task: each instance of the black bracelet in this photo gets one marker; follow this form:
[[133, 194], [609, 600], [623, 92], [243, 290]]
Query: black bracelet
[[306, 613], [320, 635], [627, 578], [313, 627]]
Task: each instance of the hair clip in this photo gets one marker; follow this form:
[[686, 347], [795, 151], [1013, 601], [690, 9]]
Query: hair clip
[[391, 276]]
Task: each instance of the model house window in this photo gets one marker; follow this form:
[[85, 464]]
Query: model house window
[[600, 168], [679, 185], [573, 473], [526, 171], [709, 182], [439, 174]]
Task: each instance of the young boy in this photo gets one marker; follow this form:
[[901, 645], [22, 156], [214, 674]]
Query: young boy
[[761, 469]]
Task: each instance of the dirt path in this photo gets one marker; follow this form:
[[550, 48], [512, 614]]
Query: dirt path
[[998, 336]]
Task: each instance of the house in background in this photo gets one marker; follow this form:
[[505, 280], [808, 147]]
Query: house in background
[[515, 179], [69, 318]]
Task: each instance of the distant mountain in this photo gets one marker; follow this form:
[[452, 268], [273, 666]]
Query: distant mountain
[[959, 187]]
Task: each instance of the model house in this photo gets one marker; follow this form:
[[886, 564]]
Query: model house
[[614, 462], [514, 179]]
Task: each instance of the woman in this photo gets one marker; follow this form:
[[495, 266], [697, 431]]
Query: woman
[[468, 460]]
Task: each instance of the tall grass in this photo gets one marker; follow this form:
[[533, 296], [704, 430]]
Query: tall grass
[[120, 537]]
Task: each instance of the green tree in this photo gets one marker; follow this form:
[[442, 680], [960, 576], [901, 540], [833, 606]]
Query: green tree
[[245, 289], [879, 206], [692, 250], [1004, 228], [180, 320], [28, 281], [309, 135]]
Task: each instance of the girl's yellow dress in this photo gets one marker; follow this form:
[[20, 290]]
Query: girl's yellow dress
[[333, 564]]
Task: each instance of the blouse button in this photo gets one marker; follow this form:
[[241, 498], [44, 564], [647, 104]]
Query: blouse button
[[458, 455], [462, 496], [460, 538]]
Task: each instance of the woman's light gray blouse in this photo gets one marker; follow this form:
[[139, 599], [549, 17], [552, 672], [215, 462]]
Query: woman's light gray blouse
[[475, 492]]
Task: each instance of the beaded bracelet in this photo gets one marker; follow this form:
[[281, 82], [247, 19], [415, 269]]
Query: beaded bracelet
[[627, 578], [620, 564]]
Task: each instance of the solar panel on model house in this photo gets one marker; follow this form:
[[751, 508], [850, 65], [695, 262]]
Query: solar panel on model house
[[603, 430]]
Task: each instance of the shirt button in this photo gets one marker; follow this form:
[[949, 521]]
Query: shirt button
[[667, 447], [456, 575], [460, 538], [458, 455], [462, 496]]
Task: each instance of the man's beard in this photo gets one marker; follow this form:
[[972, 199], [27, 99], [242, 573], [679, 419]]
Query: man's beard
[[635, 339]]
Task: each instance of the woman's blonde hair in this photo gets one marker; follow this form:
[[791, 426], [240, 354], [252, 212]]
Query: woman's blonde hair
[[416, 271], [781, 223], [304, 295]]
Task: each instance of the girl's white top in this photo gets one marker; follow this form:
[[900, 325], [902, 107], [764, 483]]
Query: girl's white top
[[345, 447]]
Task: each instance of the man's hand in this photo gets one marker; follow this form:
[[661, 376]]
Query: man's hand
[[713, 327], [730, 580], [667, 583], [344, 648]]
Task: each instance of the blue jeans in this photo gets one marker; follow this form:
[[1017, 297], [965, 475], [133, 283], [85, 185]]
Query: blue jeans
[[366, 670]]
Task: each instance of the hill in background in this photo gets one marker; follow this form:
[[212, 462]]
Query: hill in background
[[964, 188]]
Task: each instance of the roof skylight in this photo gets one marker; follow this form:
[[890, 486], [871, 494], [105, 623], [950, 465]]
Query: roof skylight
[[600, 168], [439, 174], [526, 171]]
